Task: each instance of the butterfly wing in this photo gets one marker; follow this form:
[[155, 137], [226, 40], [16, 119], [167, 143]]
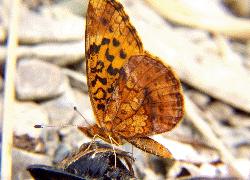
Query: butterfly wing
[[110, 40], [150, 96]]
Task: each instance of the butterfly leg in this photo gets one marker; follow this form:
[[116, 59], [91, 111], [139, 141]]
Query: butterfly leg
[[115, 142], [92, 141]]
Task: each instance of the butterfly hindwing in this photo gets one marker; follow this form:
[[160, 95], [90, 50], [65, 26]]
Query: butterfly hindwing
[[150, 97]]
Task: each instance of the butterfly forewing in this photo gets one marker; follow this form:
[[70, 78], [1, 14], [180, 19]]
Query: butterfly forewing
[[110, 41]]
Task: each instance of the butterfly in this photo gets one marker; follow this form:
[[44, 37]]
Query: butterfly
[[133, 94]]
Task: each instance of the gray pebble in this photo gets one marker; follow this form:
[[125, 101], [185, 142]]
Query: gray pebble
[[26, 115], [22, 159], [37, 80], [62, 151], [199, 98], [220, 110]]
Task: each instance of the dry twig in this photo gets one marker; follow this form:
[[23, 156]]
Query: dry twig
[[57, 53], [9, 92], [228, 25]]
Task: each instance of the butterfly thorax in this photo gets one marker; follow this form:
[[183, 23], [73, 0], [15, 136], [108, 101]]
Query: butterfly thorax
[[102, 133]]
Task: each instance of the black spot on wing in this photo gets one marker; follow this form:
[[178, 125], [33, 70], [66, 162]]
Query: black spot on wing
[[94, 49], [111, 88], [98, 78], [112, 71], [123, 55], [105, 41], [108, 56], [115, 42], [101, 107]]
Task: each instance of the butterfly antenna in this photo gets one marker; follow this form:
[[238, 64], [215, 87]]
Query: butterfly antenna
[[76, 110], [53, 126], [62, 126]]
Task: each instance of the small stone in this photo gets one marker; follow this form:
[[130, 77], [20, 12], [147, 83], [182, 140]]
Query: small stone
[[180, 170], [26, 137], [185, 129], [232, 137], [51, 140], [61, 109], [26, 115], [22, 159], [77, 7], [238, 8], [37, 80], [60, 29], [243, 151], [34, 5], [240, 120], [29, 144], [220, 110], [62, 151], [199, 98]]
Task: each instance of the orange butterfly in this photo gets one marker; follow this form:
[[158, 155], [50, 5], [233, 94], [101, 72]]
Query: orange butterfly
[[133, 94]]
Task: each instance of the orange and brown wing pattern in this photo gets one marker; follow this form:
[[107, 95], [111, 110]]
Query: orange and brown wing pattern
[[150, 96], [110, 41]]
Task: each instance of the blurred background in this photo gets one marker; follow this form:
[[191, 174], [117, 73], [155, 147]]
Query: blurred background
[[207, 42]]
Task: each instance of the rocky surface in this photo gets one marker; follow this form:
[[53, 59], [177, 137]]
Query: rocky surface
[[23, 159], [51, 80]]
